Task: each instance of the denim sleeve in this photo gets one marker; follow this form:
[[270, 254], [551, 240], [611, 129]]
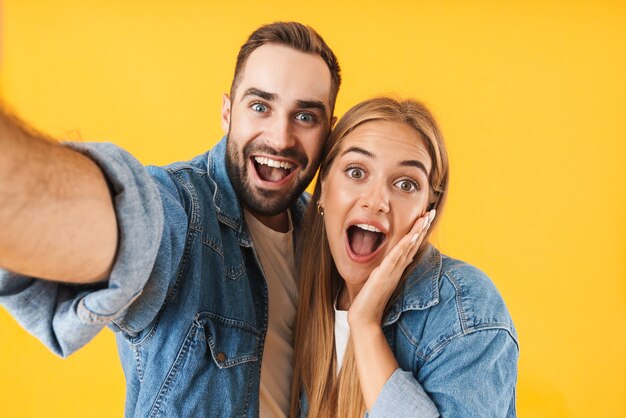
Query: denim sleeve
[[403, 396], [474, 375], [66, 316]]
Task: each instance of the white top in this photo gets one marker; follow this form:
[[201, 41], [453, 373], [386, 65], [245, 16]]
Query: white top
[[342, 334], [275, 252]]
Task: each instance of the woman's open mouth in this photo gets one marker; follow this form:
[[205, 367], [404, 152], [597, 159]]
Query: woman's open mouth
[[364, 242]]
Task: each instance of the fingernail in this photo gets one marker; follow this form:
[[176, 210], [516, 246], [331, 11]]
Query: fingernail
[[415, 237], [429, 219]]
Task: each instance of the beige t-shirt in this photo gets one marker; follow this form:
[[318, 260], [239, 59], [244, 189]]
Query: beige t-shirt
[[275, 252]]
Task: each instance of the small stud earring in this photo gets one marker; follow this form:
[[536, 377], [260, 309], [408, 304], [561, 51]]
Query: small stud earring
[[320, 208]]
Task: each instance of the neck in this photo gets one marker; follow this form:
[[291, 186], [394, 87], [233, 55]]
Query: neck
[[279, 223], [347, 294]]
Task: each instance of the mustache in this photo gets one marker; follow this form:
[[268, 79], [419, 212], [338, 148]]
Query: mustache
[[292, 153]]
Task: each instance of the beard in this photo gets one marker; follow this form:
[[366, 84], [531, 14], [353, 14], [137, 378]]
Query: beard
[[262, 201]]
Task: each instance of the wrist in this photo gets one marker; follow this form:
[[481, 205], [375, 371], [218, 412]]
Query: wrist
[[365, 329]]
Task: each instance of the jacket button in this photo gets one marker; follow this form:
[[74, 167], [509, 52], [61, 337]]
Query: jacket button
[[221, 357]]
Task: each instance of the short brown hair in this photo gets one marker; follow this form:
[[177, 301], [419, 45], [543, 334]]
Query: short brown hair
[[294, 35]]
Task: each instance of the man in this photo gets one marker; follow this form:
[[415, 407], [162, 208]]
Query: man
[[192, 264]]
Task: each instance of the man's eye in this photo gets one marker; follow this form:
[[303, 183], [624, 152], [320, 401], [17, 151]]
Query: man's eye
[[355, 173], [259, 107], [305, 117], [407, 185]]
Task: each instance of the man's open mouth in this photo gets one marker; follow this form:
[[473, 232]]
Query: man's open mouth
[[272, 170], [364, 239]]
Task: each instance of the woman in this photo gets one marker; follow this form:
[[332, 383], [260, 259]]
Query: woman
[[385, 321]]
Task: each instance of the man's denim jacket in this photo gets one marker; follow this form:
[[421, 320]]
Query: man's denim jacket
[[188, 302], [186, 293]]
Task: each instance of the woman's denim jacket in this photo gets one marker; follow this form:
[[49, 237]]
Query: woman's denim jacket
[[455, 343], [453, 338], [186, 292]]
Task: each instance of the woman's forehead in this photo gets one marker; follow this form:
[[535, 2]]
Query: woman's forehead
[[386, 139]]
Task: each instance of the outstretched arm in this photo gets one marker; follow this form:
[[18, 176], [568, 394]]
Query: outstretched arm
[[56, 214]]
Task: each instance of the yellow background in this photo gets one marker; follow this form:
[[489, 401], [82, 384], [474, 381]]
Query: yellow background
[[530, 95]]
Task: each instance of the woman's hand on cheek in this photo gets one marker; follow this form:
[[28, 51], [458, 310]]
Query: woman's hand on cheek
[[368, 306]]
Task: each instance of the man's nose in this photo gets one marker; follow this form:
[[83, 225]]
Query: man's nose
[[376, 198], [280, 135]]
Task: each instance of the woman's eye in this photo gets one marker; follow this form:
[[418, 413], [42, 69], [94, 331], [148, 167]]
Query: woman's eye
[[355, 173], [305, 117], [407, 185], [259, 107]]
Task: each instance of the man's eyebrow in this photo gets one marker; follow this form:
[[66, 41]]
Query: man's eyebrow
[[260, 93], [405, 163], [312, 104]]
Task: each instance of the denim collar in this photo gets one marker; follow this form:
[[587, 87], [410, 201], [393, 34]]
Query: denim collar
[[227, 206], [421, 288]]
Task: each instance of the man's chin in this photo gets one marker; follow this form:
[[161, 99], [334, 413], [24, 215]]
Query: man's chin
[[269, 202]]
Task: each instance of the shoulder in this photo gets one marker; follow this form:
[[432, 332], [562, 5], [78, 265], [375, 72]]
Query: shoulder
[[456, 300], [181, 178], [474, 297], [181, 171]]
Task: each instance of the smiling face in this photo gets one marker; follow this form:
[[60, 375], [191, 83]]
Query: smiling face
[[277, 123], [375, 190]]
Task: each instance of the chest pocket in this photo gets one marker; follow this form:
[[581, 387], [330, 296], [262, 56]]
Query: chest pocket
[[227, 243], [231, 342]]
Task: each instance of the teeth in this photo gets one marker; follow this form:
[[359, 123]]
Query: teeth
[[273, 163], [368, 227]]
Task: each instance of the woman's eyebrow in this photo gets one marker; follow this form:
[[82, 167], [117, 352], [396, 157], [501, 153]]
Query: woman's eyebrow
[[359, 151], [414, 163], [405, 163]]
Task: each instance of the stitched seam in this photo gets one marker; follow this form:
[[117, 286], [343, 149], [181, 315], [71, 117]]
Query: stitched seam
[[459, 302], [406, 333], [137, 362], [195, 216], [439, 347], [180, 357], [232, 322], [249, 379], [212, 245], [181, 271], [96, 317]]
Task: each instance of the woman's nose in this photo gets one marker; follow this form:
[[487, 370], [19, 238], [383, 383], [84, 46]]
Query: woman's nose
[[376, 199]]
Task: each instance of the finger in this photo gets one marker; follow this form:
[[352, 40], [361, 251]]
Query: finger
[[418, 230], [417, 240], [411, 244], [421, 225], [403, 252]]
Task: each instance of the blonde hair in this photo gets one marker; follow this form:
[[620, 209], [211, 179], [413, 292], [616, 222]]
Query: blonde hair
[[329, 394]]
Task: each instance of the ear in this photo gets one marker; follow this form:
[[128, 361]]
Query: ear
[[225, 112], [322, 193]]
